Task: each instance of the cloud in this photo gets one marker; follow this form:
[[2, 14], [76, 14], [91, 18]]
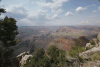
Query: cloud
[[55, 16], [90, 5], [80, 9], [99, 8], [25, 22], [32, 2], [94, 11], [84, 22], [54, 6], [2, 5], [93, 4], [17, 11], [2, 16], [87, 22], [57, 11], [40, 18], [69, 14]]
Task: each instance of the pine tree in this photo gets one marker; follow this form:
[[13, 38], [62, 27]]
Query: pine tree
[[8, 32], [2, 10]]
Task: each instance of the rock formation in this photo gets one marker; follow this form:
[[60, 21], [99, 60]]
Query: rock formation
[[24, 58], [85, 54]]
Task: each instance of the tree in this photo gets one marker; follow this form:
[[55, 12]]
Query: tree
[[38, 60], [61, 58], [57, 56], [75, 53], [52, 51], [76, 50], [8, 32], [92, 42], [2, 10]]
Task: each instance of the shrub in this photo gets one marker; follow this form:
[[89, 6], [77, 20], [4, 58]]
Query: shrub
[[76, 50], [57, 58], [97, 40], [87, 48], [92, 42], [95, 56], [81, 59], [38, 60]]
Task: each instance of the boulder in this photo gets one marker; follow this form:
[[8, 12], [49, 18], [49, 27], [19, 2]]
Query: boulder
[[88, 45], [22, 54], [24, 58]]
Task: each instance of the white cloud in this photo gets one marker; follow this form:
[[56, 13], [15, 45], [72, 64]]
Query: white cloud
[[84, 22], [57, 11], [99, 8], [32, 2], [87, 22], [18, 12], [41, 17], [2, 5], [24, 22], [54, 6], [69, 14], [2, 16], [90, 5], [80, 9], [94, 11], [55, 16], [16, 9], [93, 4]]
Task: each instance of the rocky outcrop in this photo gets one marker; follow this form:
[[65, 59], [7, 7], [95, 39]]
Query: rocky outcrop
[[88, 45], [24, 58], [85, 54], [91, 64], [82, 41], [22, 54]]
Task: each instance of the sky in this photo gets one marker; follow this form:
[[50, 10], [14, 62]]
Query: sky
[[52, 12]]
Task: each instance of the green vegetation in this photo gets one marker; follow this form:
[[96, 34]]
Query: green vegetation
[[8, 32], [97, 40], [76, 50], [87, 48], [95, 56], [92, 42], [2, 11], [38, 60], [55, 58], [75, 53]]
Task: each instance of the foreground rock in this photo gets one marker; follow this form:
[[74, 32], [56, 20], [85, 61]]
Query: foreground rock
[[85, 54], [24, 58], [22, 54]]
